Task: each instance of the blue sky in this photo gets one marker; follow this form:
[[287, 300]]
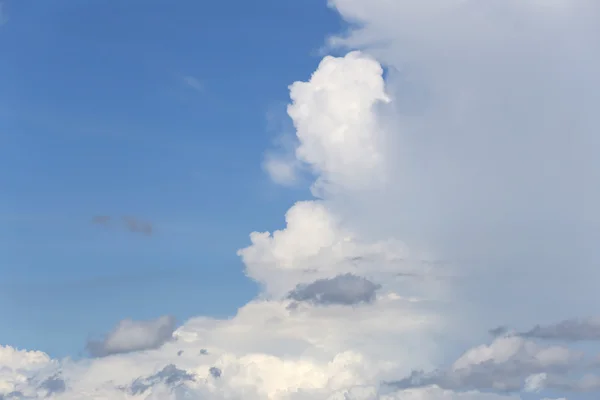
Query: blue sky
[[138, 108]]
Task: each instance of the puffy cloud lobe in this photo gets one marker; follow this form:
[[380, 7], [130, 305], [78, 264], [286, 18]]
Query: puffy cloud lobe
[[18, 372], [336, 124], [347, 289], [131, 335], [315, 244]]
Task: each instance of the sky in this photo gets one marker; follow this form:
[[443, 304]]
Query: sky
[[285, 200], [149, 111]]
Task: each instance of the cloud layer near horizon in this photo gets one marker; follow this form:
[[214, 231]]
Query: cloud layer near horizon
[[477, 150]]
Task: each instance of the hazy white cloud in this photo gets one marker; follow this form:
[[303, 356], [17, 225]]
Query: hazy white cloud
[[489, 147], [281, 169]]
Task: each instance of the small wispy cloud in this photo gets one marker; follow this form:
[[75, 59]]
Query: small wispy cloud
[[138, 226], [101, 219], [3, 14], [132, 224], [193, 83]]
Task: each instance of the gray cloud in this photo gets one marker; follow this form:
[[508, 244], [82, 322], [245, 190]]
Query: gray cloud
[[171, 376], [507, 365], [571, 330], [498, 331], [101, 219], [505, 377], [129, 336], [347, 289], [586, 383], [130, 223], [53, 385], [138, 226], [215, 372]]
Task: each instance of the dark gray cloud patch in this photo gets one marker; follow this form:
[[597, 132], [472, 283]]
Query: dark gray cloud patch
[[499, 331], [347, 289], [138, 226], [215, 372], [53, 385], [101, 219], [129, 336], [488, 375], [171, 376], [132, 224], [571, 330]]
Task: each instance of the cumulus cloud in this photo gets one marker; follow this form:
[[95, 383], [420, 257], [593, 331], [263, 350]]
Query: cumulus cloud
[[130, 335], [336, 124], [460, 130]]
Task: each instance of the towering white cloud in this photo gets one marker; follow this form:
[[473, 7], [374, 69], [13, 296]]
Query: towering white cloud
[[336, 123]]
